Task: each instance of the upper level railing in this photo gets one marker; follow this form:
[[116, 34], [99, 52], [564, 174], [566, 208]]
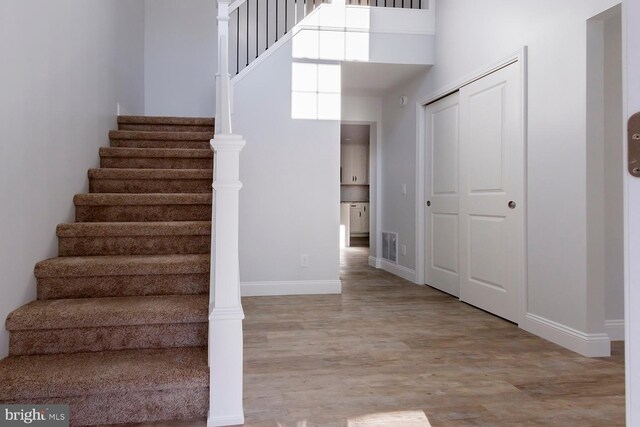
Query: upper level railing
[[256, 25]]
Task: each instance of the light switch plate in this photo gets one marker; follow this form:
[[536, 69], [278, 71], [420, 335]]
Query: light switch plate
[[404, 189]]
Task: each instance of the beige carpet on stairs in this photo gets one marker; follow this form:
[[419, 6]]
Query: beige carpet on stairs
[[119, 329]]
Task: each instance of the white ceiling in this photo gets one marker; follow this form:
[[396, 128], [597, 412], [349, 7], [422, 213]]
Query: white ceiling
[[365, 78]]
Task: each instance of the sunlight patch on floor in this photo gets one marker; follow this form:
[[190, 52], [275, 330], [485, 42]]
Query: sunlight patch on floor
[[396, 419]]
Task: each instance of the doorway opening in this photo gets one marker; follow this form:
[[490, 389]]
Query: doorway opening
[[355, 185]]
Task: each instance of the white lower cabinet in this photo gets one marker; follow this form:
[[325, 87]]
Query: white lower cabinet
[[359, 218]]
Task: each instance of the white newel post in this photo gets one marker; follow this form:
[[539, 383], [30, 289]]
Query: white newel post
[[225, 310]]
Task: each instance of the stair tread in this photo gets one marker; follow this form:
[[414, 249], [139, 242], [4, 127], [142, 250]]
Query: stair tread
[[124, 199], [150, 174], [109, 311], [78, 374], [169, 228], [147, 135], [155, 152], [166, 120], [122, 265]]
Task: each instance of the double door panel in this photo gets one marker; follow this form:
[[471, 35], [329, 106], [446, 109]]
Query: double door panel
[[475, 227]]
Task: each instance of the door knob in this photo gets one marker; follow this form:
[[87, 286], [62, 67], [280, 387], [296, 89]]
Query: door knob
[[511, 204], [428, 202]]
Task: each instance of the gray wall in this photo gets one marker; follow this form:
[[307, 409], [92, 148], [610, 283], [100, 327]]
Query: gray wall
[[66, 64], [471, 36], [290, 170], [180, 57], [614, 169]]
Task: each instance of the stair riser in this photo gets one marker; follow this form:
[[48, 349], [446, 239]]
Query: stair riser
[[139, 213], [165, 128], [108, 338], [133, 143], [133, 245], [150, 185], [156, 163], [181, 404], [122, 286]]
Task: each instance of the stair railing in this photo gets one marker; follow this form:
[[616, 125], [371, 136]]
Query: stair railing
[[265, 25], [225, 308], [256, 25]]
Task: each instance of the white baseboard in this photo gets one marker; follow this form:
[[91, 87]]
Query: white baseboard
[[397, 269], [302, 287], [590, 345], [374, 262], [225, 421], [615, 329]]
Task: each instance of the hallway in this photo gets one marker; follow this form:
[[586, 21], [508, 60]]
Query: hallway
[[389, 353]]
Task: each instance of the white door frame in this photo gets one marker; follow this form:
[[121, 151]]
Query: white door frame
[[631, 100], [375, 186], [520, 57]]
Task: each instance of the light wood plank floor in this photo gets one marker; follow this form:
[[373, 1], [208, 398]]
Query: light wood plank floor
[[389, 353]]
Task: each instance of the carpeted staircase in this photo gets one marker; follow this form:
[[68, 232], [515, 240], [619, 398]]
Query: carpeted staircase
[[119, 330]]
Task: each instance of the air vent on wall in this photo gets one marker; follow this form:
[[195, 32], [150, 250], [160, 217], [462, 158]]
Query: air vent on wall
[[390, 246]]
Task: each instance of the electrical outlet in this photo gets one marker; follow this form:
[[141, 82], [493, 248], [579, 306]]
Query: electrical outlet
[[304, 261], [403, 249]]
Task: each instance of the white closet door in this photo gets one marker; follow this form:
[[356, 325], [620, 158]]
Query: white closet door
[[492, 171], [441, 228]]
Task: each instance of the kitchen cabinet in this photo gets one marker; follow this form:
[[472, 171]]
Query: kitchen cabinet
[[359, 218], [354, 164]]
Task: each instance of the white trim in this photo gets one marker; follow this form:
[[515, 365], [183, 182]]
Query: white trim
[[482, 72], [590, 345], [297, 287], [397, 269], [615, 329], [374, 262], [343, 29], [631, 103], [523, 59], [421, 170], [231, 420], [225, 313], [236, 4]]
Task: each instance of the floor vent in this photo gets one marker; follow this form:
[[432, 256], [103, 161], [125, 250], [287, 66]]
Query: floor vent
[[390, 246]]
